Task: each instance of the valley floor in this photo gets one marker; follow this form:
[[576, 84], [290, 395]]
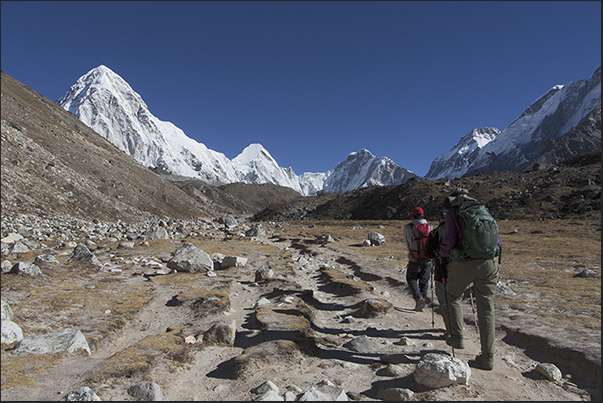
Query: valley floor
[[553, 315]]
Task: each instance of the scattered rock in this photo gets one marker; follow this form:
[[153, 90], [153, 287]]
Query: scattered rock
[[324, 391], [263, 273], [439, 370], [81, 252], [46, 259], [585, 273], [372, 308], [550, 371], [157, 233], [395, 394], [148, 391], [393, 370], [80, 395], [255, 231], [27, 268], [222, 332], [363, 344], [376, 238], [269, 396], [188, 258], [62, 340], [6, 310], [265, 387], [11, 332], [233, 261]]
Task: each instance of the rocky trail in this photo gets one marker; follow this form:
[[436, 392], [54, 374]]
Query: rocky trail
[[309, 322]]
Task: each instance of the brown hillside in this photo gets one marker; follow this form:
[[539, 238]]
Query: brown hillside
[[568, 190], [52, 163]]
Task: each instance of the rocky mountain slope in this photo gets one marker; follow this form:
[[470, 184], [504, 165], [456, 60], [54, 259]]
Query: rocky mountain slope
[[583, 138], [53, 164]]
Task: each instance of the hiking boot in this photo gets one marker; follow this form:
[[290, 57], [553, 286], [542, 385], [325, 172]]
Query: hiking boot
[[419, 305], [456, 342], [484, 361]]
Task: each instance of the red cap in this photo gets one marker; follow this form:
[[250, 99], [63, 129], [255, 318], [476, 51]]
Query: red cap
[[417, 211]]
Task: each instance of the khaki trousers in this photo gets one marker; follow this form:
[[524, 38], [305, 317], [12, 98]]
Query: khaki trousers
[[440, 294], [483, 273]]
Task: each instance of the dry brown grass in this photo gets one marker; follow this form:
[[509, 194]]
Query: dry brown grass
[[142, 355], [540, 260]]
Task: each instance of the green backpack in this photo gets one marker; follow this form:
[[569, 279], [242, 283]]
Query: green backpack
[[481, 232]]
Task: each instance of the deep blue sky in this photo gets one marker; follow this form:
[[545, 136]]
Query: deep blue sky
[[313, 81]]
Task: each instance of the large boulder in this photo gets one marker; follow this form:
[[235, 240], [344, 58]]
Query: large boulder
[[376, 238], [189, 258], [80, 395], [27, 268], [81, 252], [11, 332], [222, 332], [440, 370], [62, 340]]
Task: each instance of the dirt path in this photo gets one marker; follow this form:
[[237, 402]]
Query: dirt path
[[206, 375]]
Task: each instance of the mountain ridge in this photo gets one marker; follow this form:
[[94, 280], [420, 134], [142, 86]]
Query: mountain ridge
[[104, 101], [548, 118]]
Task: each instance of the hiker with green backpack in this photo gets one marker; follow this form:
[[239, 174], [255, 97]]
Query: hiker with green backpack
[[471, 245]]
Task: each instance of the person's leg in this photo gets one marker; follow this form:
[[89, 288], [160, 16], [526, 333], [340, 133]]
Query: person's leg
[[439, 290], [412, 274], [424, 277], [460, 275], [485, 290]]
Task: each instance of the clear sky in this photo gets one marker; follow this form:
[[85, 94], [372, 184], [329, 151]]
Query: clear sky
[[313, 81]]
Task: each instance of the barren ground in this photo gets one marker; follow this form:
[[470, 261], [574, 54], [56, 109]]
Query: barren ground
[[554, 317]]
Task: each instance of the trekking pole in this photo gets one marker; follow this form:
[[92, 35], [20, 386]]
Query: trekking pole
[[432, 304], [448, 314], [473, 309]]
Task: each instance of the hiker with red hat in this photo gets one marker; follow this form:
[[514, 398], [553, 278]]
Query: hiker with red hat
[[418, 270]]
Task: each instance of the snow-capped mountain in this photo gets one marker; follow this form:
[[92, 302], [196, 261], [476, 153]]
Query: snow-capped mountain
[[107, 103], [455, 162], [256, 165], [362, 169], [518, 146]]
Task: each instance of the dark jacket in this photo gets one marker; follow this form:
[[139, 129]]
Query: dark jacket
[[432, 248]]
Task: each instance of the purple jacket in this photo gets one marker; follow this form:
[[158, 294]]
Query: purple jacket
[[455, 233]]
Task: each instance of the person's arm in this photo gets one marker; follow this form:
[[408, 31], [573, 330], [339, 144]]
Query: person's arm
[[408, 235], [431, 245], [452, 234]]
